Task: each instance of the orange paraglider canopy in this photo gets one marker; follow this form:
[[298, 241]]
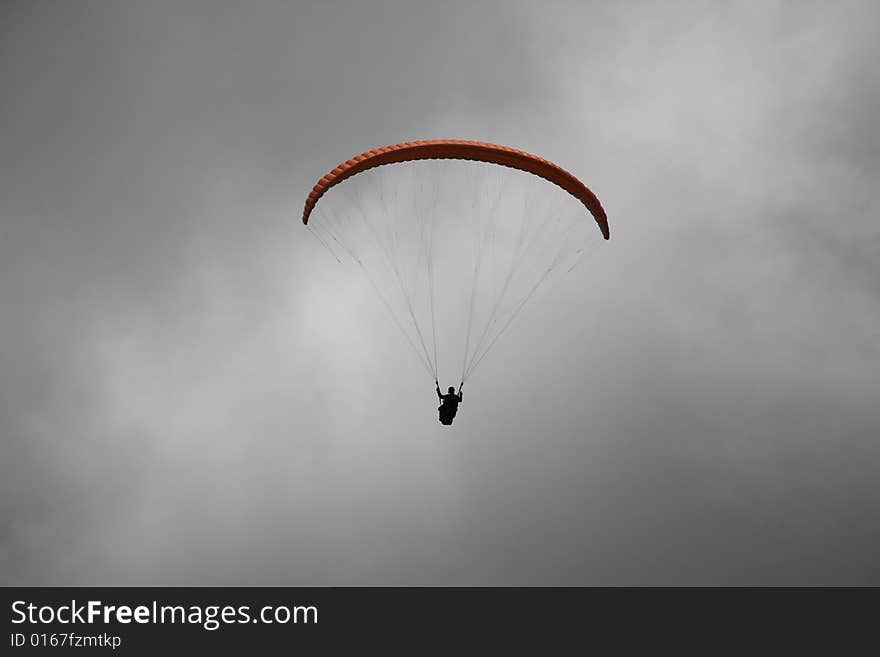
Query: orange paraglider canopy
[[446, 149]]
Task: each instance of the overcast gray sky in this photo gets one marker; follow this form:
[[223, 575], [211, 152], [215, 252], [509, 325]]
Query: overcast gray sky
[[190, 394]]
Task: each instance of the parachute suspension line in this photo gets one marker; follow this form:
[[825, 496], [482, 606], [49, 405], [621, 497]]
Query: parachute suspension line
[[499, 298], [516, 311], [422, 360], [525, 299], [580, 254], [423, 356], [429, 259], [470, 319], [415, 322], [425, 253], [480, 234], [479, 239], [392, 238], [324, 244], [386, 303], [518, 257], [409, 305], [493, 230], [526, 243], [417, 326], [329, 221], [393, 264]]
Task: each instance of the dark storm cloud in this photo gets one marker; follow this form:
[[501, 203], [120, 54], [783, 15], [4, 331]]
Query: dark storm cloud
[[183, 397]]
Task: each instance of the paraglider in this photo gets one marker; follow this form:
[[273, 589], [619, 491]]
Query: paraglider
[[448, 403], [395, 227]]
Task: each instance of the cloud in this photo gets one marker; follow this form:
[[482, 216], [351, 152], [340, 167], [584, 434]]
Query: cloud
[[193, 392]]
